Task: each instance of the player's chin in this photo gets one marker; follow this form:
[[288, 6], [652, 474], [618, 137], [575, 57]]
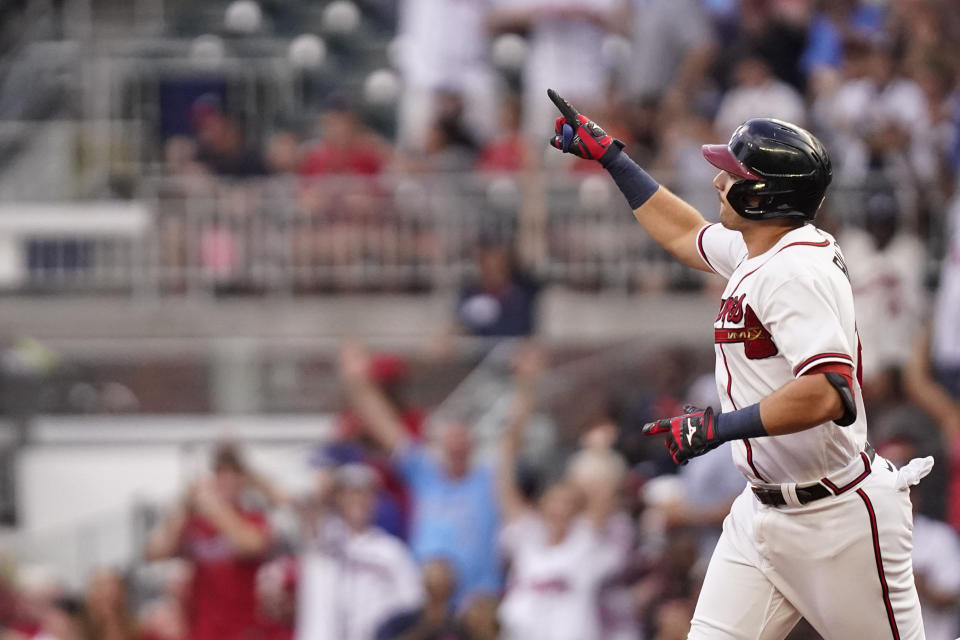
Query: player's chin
[[728, 218]]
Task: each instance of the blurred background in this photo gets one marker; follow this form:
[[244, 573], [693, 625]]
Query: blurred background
[[306, 333]]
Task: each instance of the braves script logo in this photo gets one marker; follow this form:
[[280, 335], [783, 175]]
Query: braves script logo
[[731, 309], [757, 342]]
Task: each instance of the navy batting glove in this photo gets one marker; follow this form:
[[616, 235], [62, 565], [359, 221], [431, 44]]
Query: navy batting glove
[[690, 435], [581, 136]]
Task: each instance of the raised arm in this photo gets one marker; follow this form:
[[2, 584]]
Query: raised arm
[[379, 416], [923, 389], [669, 220], [164, 540], [247, 538], [527, 369]]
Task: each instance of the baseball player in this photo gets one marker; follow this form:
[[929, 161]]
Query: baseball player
[[823, 528]]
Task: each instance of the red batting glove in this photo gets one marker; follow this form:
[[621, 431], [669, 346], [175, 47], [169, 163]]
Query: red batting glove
[[690, 435], [581, 136]]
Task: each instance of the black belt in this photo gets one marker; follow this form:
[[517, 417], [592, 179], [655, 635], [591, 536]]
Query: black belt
[[810, 492]]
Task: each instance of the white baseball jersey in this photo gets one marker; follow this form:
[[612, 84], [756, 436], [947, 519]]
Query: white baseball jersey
[[553, 592], [783, 313], [351, 583], [843, 561]]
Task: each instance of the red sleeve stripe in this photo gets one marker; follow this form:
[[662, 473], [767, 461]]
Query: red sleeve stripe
[[703, 254], [837, 357], [842, 368]]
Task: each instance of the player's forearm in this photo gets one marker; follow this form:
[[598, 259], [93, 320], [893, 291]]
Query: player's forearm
[[801, 404], [671, 222]]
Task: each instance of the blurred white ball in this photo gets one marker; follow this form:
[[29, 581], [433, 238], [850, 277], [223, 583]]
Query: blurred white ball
[[382, 87], [243, 16], [207, 50], [616, 50], [307, 51], [341, 17], [509, 51], [594, 192]]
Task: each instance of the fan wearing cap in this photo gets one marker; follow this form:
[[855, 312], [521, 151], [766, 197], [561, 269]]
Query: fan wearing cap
[[453, 500], [354, 576], [823, 528]]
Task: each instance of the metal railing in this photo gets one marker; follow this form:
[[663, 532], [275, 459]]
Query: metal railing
[[199, 235]]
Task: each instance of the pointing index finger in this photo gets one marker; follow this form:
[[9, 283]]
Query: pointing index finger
[[566, 109], [653, 428]]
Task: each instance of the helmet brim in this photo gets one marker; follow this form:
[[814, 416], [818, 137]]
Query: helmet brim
[[720, 156]]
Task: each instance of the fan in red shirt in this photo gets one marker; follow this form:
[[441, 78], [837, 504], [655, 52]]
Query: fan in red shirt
[[226, 544], [345, 146], [506, 153]]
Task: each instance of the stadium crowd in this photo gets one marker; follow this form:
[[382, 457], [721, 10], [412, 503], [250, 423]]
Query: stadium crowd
[[405, 534], [876, 81]]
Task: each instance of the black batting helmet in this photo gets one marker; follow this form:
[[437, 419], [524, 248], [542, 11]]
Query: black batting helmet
[[785, 170]]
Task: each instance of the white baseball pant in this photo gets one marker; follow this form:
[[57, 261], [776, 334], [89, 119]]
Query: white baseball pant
[[842, 562]]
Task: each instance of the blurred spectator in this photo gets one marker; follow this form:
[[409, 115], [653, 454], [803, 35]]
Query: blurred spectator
[[597, 473], [277, 596], [506, 151], [757, 93], [672, 581], [221, 146], [389, 373], [454, 510], [673, 44], [226, 542], [340, 220], [106, 608], [776, 31], [391, 503], [924, 31], [283, 152], [33, 610], [450, 145], [936, 556], [560, 557], [880, 120], [938, 81], [885, 264], [932, 377], [501, 302], [837, 22], [436, 619], [346, 145], [673, 620], [564, 52], [353, 575], [443, 46]]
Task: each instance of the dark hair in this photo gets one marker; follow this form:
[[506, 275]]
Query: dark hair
[[227, 457]]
